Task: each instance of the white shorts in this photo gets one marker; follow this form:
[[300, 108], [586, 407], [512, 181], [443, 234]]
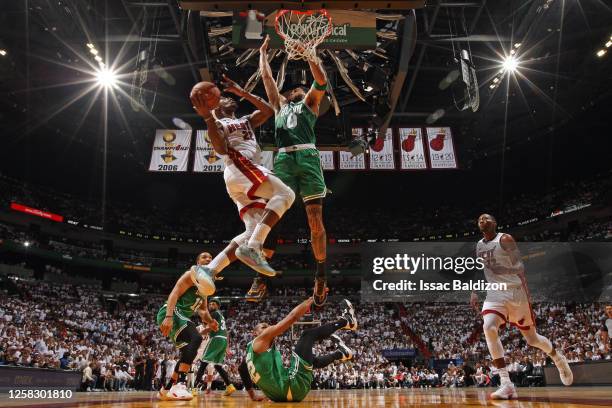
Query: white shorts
[[242, 179], [512, 305]]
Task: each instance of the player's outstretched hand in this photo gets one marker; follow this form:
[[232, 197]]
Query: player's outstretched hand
[[264, 47], [232, 86], [199, 104]]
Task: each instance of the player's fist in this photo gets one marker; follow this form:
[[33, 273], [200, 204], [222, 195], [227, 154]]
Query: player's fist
[[166, 326], [214, 326]]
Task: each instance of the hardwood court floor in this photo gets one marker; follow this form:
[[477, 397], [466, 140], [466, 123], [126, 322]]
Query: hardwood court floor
[[549, 397]]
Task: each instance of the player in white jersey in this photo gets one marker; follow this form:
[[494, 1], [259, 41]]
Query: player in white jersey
[[261, 197], [503, 264]]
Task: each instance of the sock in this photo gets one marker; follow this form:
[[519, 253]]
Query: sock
[[219, 262], [223, 374], [208, 385], [182, 377], [320, 269], [504, 376], [169, 384], [259, 236]]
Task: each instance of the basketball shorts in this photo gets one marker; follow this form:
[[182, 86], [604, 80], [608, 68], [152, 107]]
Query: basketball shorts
[[215, 350], [512, 305], [179, 322], [241, 182], [301, 170], [300, 378]]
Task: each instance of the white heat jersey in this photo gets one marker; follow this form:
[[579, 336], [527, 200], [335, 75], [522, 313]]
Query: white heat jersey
[[240, 136], [493, 254]]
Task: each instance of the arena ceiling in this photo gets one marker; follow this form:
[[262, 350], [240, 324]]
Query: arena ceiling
[[51, 96]]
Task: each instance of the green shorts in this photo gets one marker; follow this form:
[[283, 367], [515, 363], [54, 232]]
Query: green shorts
[[300, 378], [215, 350], [301, 170], [179, 322]]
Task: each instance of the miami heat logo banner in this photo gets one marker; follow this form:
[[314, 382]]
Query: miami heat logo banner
[[412, 149], [350, 162], [327, 160], [170, 150], [381, 154], [441, 148], [206, 159]]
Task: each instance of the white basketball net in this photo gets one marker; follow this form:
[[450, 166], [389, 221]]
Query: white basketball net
[[303, 31]]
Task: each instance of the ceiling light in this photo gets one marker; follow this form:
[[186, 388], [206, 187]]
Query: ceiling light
[[517, 45], [608, 44], [90, 45], [106, 78], [601, 53], [3, 52], [93, 51], [510, 64], [98, 58]]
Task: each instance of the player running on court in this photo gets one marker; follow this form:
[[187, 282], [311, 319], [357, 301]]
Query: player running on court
[[503, 264], [215, 350], [265, 364], [261, 197], [298, 163], [174, 319]]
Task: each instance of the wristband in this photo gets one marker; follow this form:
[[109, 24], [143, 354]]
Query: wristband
[[168, 316], [319, 87]]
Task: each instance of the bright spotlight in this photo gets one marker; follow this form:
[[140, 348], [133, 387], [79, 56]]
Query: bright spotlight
[[510, 64], [608, 44], [106, 78], [601, 53], [3, 52], [89, 45], [26, 244]]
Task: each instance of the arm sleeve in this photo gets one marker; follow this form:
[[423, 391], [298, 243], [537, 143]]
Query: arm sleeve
[[243, 370]]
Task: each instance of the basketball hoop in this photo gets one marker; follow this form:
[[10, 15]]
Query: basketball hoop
[[303, 31]]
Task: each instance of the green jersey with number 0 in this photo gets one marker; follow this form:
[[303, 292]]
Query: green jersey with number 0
[[295, 124]]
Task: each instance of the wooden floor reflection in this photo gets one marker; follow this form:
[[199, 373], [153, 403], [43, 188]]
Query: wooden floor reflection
[[550, 397]]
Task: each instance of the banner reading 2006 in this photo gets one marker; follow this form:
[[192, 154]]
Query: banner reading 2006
[[170, 150], [206, 159]]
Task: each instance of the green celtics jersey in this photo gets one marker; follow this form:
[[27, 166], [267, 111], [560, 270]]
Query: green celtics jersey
[[294, 125], [267, 371], [221, 320], [188, 303]]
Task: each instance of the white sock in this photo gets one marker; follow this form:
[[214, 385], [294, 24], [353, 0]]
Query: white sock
[[259, 236], [208, 385], [504, 376], [219, 262]]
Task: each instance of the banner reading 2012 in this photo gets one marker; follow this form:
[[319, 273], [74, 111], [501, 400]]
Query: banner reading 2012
[[441, 148], [206, 159], [170, 150]]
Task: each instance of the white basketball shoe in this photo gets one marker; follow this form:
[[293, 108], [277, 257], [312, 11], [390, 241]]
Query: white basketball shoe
[[565, 372], [178, 392], [505, 392]]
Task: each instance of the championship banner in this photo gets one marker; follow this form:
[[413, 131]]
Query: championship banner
[[412, 149], [206, 159], [350, 29], [170, 150], [347, 160], [441, 148], [327, 160], [381, 154]]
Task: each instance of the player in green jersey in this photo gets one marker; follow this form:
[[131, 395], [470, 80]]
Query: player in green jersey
[[215, 350], [298, 163], [189, 296], [265, 365]]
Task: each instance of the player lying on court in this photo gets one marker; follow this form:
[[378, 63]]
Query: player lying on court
[[503, 264], [261, 197], [174, 319], [298, 163], [263, 364], [215, 350]]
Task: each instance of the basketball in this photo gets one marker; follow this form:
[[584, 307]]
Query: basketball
[[212, 94]]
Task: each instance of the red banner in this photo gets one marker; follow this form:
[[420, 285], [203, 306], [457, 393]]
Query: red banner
[[37, 212]]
